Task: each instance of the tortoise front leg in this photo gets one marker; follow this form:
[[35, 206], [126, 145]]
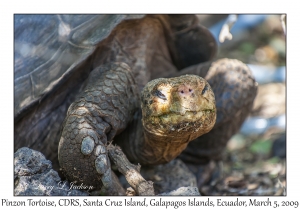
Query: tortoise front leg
[[102, 110]]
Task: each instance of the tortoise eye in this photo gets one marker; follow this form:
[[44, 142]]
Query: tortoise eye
[[160, 95], [204, 89]]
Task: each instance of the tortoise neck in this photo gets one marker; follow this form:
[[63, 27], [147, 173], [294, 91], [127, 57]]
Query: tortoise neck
[[146, 148]]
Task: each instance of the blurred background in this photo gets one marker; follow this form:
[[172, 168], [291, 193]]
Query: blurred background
[[255, 160]]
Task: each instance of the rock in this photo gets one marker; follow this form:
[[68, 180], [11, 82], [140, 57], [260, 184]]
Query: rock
[[170, 176], [183, 191], [28, 162], [33, 175]]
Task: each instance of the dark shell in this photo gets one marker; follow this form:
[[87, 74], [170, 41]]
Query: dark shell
[[48, 48]]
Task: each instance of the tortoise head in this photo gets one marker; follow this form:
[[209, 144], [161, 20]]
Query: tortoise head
[[182, 107]]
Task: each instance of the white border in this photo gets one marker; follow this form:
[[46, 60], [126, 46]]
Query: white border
[[154, 6]]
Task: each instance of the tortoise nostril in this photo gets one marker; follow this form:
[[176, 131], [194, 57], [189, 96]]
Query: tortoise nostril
[[190, 90], [182, 91]]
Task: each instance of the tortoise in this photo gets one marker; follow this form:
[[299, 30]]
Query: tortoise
[[83, 81]]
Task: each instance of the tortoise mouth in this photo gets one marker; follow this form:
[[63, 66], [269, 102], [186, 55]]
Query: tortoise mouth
[[174, 118]]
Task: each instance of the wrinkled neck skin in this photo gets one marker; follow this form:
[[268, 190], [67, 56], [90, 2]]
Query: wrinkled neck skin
[[174, 112]]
